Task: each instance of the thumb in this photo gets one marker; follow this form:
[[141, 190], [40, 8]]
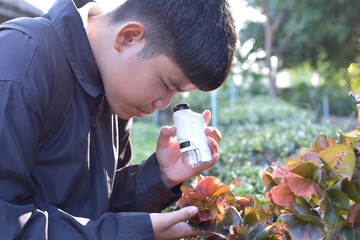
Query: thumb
[[165, 136], [207, 115]]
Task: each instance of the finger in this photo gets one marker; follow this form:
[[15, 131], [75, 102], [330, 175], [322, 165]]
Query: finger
[[207, 116], [215, 157], [213, 133], [214, 147], [172, 218], [165, 136]]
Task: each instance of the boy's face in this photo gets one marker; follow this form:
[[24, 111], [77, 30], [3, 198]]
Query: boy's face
[[137, 87], [134, 86]]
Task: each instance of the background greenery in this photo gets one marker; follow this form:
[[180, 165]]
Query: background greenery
[[257, 130], [313, 42]]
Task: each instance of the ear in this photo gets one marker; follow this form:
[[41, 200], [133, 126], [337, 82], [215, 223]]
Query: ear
[[129, 34]]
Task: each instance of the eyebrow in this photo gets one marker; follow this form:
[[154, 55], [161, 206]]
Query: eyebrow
[[175, 84]]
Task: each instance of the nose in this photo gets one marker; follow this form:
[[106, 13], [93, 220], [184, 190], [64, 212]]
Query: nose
[[163, 102]]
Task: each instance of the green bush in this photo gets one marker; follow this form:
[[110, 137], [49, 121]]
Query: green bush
[[258, 131]]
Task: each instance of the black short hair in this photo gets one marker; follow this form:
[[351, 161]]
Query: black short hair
[[199, 36]]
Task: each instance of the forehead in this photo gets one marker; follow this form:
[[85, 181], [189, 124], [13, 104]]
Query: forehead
[[173, 74]]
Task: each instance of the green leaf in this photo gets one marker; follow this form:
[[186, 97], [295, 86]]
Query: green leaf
[[257, 206], [305, 213], [331, 216], [250, 217], [354, 73], [353, 136], [350, 189], [333, 154], [340, 199], [354, 70], [301, 230], [260, 233], [346, 232]]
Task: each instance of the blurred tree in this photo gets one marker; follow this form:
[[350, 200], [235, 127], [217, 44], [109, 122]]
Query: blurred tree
[[324, 33]]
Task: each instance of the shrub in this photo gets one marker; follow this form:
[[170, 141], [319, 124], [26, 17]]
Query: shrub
[[257, 132], [315, 194]]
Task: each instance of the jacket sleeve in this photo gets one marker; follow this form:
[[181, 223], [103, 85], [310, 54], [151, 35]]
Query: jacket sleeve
[[138, 188], [24, 91]]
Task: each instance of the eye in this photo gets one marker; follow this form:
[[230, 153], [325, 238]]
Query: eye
[[166, 86]]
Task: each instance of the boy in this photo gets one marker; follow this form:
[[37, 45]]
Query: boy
[[77, 182]]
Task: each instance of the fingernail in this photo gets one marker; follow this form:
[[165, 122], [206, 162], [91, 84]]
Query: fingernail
[[193, 210]]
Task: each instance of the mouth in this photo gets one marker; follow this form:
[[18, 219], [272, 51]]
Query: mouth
[[141, 113]]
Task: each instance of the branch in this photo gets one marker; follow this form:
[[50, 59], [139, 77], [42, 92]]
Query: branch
[[278, 21]]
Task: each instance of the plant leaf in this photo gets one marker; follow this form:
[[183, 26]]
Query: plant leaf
[[354, 216], [305, 213], [350, 189], [353, 71], [207, 185], [338, 197], [282, 195], [257, 206], [221, 189], [260, 233], [312, 157], [320, 141], [353, 136], [236, 233], [332, 154], [309, 170], [331, 216], [251, 218], [301, 186], [301, 230], [232, 217], [346, 231]]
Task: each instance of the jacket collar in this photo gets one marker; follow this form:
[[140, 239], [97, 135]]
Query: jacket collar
[[69, 28]]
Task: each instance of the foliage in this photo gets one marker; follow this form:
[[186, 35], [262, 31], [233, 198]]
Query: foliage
[[256, 132], [313, 195], [143, 138], [225, 215], [311, 31]]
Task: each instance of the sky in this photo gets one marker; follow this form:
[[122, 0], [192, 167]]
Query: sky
[[239, 9]]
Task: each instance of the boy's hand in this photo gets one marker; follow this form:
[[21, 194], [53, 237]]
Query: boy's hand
[[172, 170], [171, 225]]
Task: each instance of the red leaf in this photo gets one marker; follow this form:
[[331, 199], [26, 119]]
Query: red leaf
[[269, 200], [302, 186], [282, 195], [354, 213], [207, 185], [185, 189], [205, 215]]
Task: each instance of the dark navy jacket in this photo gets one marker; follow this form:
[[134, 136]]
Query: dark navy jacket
[[79, 184]]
